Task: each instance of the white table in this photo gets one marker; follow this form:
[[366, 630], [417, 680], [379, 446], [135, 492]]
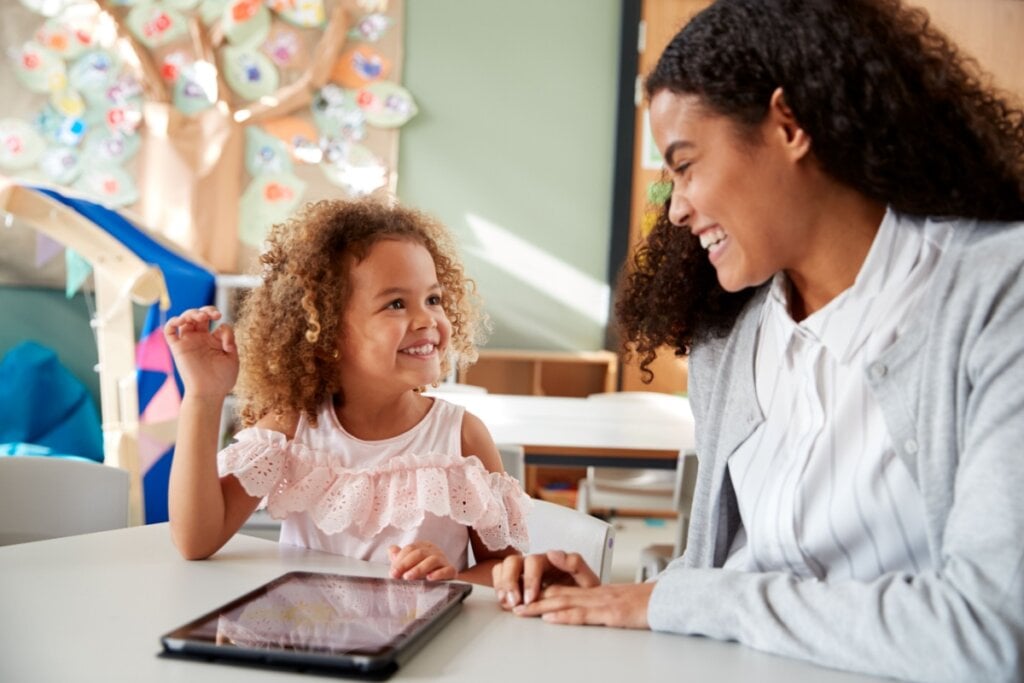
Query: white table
[[92, 608], [626, 430]]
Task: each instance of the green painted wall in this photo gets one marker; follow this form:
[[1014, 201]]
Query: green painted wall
[[513, 149]]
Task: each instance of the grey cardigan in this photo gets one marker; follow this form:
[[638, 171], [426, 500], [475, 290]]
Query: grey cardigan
[[952, 392]]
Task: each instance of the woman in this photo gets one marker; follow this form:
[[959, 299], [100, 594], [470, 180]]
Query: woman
[[841, 257]]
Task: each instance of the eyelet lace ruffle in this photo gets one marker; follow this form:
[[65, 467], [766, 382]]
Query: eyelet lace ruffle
[[295, 478]]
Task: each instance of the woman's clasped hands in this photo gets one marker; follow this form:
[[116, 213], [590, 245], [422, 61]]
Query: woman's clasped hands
[[560, 588]]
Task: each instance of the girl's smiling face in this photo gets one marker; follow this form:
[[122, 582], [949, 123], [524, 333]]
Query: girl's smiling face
[[395, 331], [735, 192]]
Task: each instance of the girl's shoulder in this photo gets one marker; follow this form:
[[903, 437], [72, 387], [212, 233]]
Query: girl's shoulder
[[285, 424]]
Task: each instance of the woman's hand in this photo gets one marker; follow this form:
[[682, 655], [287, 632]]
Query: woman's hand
[[207, 361], [519, 579], [420, 560], [623, 605]]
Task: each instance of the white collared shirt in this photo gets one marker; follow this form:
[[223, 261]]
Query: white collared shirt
[[822, 491]]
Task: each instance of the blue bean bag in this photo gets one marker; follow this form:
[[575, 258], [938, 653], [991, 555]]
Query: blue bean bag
[[45, 405]]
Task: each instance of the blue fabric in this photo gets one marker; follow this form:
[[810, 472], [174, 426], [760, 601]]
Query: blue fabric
[[189, 285], [46, 405]]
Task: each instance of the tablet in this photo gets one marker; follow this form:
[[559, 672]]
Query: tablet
[[328, 623]]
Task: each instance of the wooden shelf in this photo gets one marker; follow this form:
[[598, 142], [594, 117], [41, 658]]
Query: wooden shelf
[[543, 373]]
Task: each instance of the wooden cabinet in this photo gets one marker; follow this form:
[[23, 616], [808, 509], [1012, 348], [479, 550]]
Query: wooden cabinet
[[543, 373]]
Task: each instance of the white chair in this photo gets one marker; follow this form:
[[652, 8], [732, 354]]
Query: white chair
[[43, 497], [513, 459], [556, 527], [656, 557], [628, 490]]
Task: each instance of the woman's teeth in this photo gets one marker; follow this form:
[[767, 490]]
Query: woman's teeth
[[709, 238]]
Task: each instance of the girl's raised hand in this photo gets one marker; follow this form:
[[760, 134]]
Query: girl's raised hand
[[207, 361], [420, 560]]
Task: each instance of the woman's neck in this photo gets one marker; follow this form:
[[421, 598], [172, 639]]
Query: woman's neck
[[372, 417], [844, 226]]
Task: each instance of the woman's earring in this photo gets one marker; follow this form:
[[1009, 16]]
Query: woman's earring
[[334, 354]]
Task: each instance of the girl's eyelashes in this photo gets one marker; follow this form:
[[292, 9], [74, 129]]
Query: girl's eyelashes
[[682, 168], [434, 300], [396, 305]]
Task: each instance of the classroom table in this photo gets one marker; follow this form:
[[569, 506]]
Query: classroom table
[[92, 608], [612, 431]]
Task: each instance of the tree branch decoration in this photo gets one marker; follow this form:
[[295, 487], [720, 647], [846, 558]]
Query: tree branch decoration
[[201, 115]]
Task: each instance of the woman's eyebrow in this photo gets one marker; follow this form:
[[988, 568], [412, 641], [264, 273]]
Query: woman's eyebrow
[[671, 150]]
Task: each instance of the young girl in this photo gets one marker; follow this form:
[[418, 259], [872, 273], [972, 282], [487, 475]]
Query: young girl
[[360, 307]]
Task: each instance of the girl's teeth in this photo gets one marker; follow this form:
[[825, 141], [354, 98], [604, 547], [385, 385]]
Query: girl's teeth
[[711, 238], [419, 350]]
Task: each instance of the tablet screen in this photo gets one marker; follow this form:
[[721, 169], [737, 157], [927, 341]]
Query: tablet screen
[[324, 614]]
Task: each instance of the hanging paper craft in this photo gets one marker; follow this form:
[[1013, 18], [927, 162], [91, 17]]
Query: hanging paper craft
[[386, 104], [285, 49], [265, 153], [248, 73], [67, 37], [303, 13], [61, 165], [354, 168], [246, 22], [196, 88], [269, 199], [92, 74], [299, 137], [21, 146], [68, 103], [104, 148], [156, 25], [77, 271], [360, 66], [337, 115], [111, 186], [57, 128], [370, 28], [38, 69]]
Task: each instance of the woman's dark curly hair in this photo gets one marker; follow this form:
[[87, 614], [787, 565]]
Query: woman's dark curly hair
[[289, 326], [892, 108]]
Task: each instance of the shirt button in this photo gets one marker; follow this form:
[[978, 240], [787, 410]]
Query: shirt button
[[878, 370], [910, 446]]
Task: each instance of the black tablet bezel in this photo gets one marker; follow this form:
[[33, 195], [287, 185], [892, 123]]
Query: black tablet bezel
[[182, 641]]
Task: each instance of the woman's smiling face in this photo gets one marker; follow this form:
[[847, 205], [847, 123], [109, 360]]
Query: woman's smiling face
[[735, 192]]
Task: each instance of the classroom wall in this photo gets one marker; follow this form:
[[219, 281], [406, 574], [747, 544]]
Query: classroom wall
[[513, 149]]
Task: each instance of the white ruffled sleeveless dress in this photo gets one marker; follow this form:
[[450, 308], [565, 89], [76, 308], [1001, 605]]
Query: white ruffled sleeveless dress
[[344, 495]]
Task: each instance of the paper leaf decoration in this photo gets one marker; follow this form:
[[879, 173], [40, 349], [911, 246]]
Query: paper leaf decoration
[[21, 146], [370, 28], [104, 148], [303, 13], [61, 165], [298, 135], [196, 88], [360, 66], [156, 25], [93, 74], [38, 69], [248, 73], [386, 104], [354, 168], [111, 185], [246, 22], [269, 199], [265, 153], [337, 114], [67, 36]]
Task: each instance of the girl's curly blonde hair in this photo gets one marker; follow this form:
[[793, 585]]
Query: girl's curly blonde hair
[[288, 327]]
